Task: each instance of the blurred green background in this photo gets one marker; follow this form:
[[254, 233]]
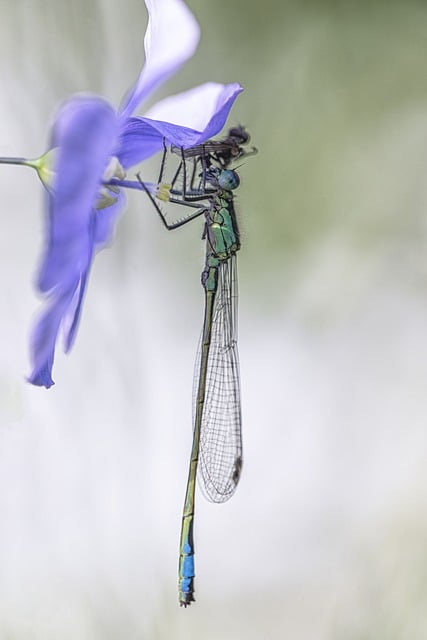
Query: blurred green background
[[325, 537]]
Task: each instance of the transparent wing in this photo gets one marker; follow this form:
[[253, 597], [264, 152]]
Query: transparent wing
[[220, 454]]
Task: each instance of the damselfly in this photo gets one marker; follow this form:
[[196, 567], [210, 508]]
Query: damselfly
[[216, 454]]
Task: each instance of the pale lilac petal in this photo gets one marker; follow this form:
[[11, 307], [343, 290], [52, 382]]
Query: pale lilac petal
[[85, 132], [203, 109], [171, 38]]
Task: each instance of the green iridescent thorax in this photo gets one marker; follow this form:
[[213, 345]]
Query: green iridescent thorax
[[221, 228]]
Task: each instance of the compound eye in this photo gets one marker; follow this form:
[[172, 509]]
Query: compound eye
[[228, 179]]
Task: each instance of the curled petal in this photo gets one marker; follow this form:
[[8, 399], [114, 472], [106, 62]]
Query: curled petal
[[194, 116], [204, 109], [171, 38]]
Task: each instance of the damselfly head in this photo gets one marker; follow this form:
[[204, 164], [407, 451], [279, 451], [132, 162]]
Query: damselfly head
[[228, 179]]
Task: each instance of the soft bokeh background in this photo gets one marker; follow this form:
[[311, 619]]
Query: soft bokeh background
[[326, 536]]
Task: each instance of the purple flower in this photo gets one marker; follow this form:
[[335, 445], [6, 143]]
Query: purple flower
[[91, 143]]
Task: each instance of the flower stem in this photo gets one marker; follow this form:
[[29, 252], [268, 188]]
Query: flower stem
[[21, 161]]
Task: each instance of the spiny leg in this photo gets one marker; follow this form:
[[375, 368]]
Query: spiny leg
[[179, 223]]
